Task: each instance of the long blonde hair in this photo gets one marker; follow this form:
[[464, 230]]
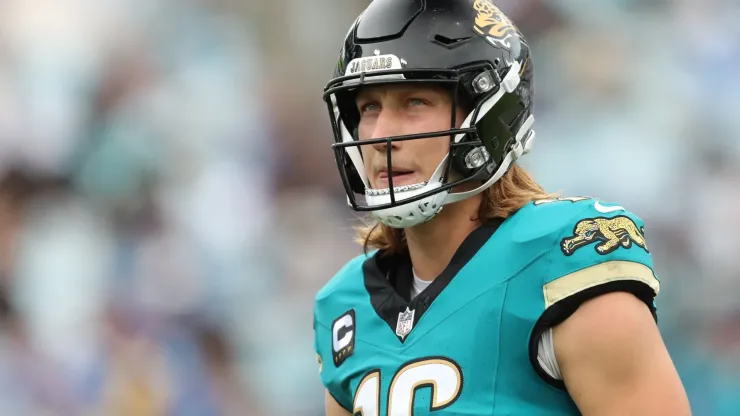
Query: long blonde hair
[[514, 190]]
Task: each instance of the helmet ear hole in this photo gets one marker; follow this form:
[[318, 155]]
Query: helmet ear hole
[[353, 176], [347, 110], [355, 182]]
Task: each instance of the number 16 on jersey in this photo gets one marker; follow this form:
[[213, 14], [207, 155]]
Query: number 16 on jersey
[[442, 375]]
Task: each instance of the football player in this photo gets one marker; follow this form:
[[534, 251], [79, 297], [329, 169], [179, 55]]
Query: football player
[[478, 293]]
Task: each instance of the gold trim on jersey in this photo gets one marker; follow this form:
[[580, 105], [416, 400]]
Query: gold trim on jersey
[[611, 271]]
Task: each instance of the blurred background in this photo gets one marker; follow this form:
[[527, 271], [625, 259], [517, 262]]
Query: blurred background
[[169, 204]]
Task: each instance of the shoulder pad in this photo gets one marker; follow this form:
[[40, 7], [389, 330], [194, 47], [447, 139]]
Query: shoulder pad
[[545, 217], [340, 290]]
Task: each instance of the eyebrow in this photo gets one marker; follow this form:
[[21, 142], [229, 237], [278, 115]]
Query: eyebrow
[[366, 93]]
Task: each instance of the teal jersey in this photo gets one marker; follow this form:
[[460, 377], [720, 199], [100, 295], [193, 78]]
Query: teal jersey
[[467, 344]]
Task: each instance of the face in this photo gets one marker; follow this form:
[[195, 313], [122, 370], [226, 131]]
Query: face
[[395, 110]]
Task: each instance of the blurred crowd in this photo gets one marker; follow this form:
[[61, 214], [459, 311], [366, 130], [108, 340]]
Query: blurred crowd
[[169, 204]]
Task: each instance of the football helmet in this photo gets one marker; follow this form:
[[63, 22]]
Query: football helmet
[[467, 46]]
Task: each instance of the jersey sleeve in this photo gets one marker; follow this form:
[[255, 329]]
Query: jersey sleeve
[[334, 324], [330, 378], [598, 250]]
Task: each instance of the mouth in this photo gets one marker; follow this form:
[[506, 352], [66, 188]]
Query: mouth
[[400, 177]]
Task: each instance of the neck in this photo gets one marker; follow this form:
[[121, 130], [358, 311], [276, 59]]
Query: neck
[[432, 244]]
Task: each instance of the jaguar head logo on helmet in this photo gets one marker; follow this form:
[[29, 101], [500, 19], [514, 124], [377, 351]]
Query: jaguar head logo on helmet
[[488, 121], [492, 23]]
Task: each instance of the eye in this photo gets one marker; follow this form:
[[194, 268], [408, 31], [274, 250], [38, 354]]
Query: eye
[[368, 107], [413, 102]]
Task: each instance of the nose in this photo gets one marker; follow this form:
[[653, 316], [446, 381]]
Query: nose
[[388, 124]]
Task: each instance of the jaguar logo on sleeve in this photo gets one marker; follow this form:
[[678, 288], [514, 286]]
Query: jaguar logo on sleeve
[[608, 233]]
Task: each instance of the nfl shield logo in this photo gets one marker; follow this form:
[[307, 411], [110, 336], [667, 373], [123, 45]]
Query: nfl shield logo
[[405, 322]]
